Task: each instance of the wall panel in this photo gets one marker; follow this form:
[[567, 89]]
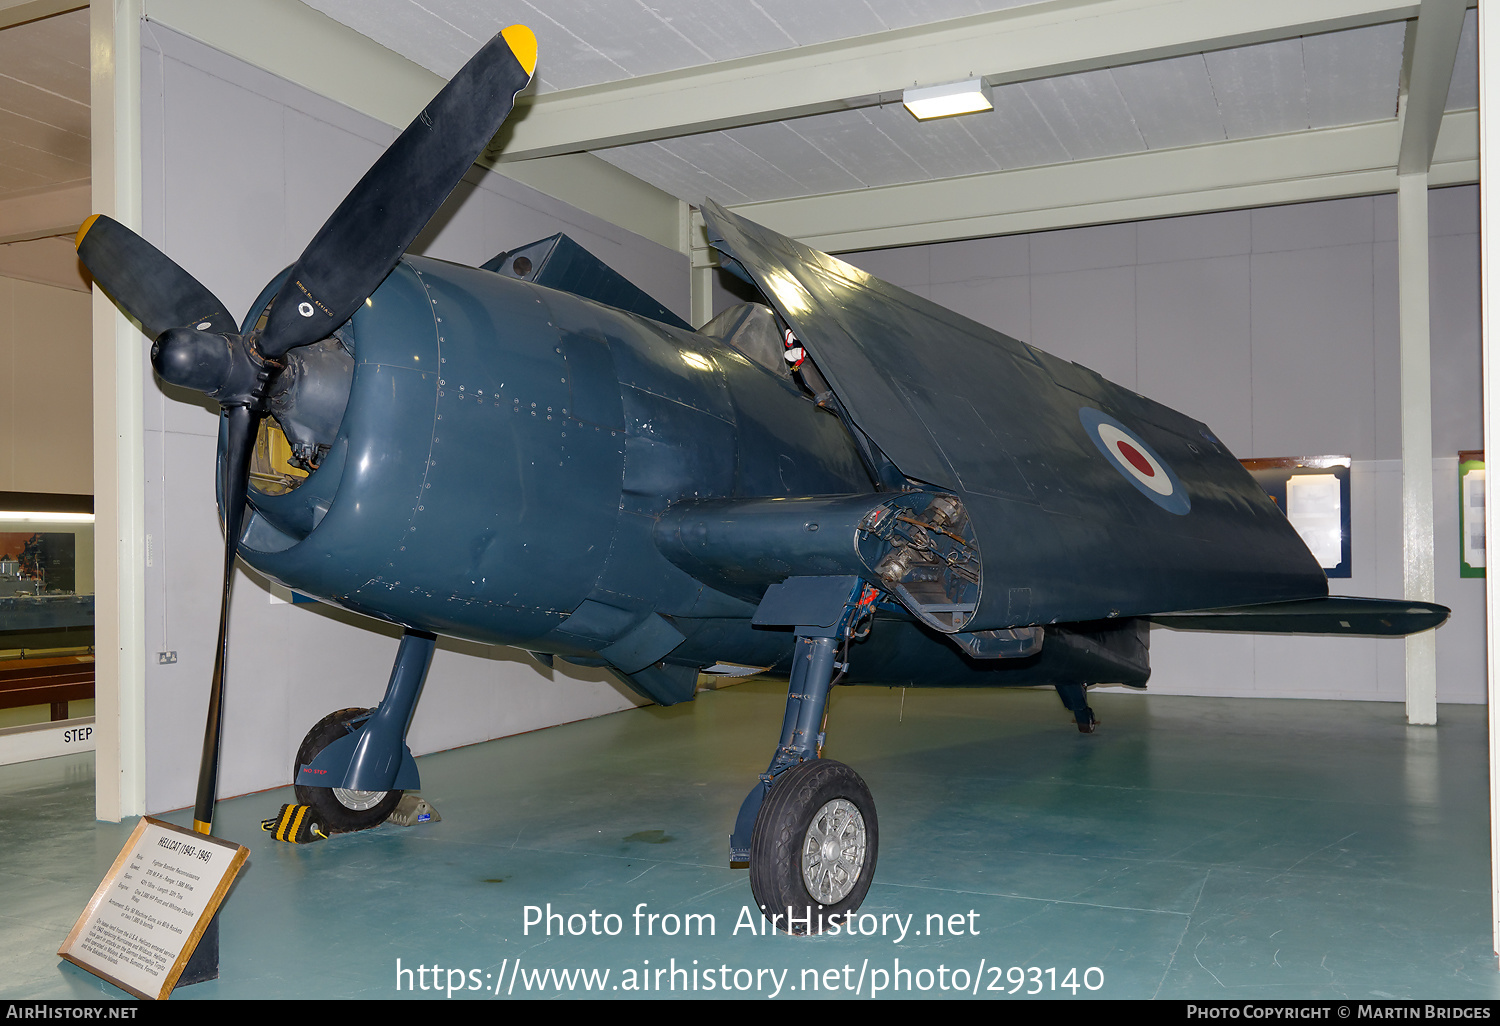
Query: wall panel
[[46, 398]]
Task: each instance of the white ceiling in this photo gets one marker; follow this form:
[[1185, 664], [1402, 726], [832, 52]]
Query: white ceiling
[[44, 147], [1338, 78], [44, 104], [654, 60], [586, 42]]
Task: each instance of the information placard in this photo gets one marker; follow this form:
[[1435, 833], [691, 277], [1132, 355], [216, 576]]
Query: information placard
[[1314, 492], [152, 907]]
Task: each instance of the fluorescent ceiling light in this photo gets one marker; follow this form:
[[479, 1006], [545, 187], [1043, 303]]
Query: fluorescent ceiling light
[[942, 101], [46, 518]]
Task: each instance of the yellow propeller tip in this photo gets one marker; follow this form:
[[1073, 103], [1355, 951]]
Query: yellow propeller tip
[[78, 240], [522, 43]]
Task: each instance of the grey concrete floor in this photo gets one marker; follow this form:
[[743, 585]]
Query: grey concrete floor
[[1194, 847]]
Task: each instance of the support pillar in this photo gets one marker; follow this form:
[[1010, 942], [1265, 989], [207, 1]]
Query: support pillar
[[1419, 569], [700, 266], [119, 446], [1489, 305]]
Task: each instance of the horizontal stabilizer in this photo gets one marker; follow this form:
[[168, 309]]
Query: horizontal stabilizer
[[1331, 615]]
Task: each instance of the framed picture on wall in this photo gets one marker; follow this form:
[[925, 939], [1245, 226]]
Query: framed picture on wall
[[1313, 492], [1471, 513]]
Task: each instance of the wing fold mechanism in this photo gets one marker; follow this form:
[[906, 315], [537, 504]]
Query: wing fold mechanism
[[918, 546]]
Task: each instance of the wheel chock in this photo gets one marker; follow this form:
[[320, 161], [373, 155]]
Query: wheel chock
[[411, 810], [295, 824]]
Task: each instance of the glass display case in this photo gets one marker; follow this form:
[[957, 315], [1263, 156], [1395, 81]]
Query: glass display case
[[46, 608]]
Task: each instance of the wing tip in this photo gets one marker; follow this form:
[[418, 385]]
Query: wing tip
[[522, 43]]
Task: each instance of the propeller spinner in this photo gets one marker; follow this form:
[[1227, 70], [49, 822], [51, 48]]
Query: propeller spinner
[[196, 343]]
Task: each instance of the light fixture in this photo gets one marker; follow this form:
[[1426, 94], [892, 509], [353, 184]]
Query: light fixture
[[942, 101], [42, 517]]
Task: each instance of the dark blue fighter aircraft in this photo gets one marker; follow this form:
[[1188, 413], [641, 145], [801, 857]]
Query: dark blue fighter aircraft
[[845, 484]]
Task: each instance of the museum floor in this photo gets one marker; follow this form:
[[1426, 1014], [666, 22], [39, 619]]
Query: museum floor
[[1194, 847]]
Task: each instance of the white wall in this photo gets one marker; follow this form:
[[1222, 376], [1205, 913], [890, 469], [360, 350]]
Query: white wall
[[240, 168], [1278, 328], [46, 389]]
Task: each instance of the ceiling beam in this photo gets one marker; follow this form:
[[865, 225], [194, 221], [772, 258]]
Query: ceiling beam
[[1432, 44], [1319, 164], [46, 262], [306, 47], [18, 12], [40, 215], [1021, 43]]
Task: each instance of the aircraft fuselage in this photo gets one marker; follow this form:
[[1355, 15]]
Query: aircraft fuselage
[[506, 451]]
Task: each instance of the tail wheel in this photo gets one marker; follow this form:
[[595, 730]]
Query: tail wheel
[[814, 846], [340, 809]]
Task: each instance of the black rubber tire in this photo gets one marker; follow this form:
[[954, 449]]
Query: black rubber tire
[[333, 814], [781, 829]]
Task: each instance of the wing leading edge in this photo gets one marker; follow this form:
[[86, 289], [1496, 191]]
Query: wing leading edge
[[1087, 500]]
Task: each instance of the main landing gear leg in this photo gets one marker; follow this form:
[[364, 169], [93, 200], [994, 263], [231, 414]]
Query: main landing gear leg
[[808, 828], [354, 764]]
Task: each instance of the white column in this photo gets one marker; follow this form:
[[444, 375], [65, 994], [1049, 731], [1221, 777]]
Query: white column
[[119, 476], [1419, 558], [694, 242], [1489, 301]]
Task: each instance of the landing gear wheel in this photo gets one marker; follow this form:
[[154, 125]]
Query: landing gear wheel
[[814, 846], [340, 810]]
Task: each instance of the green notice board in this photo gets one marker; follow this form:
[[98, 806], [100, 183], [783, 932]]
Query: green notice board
[[1471, 513]]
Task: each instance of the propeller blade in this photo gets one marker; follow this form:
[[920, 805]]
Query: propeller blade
[[146, 282], [360, 243], [244, 425]]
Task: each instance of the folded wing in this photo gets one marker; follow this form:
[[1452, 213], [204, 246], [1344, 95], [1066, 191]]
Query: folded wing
[[1087, 500]]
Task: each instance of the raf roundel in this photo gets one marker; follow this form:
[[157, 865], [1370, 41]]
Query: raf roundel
[[1136, 461]]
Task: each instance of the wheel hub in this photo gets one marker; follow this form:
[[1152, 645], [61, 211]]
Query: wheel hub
[[833, 852], [358, 801]]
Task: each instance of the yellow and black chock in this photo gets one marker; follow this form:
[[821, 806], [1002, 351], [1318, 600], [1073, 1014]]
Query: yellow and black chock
[[296, 824]]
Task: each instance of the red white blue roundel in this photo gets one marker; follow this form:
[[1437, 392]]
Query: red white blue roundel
[[1136, 461]]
